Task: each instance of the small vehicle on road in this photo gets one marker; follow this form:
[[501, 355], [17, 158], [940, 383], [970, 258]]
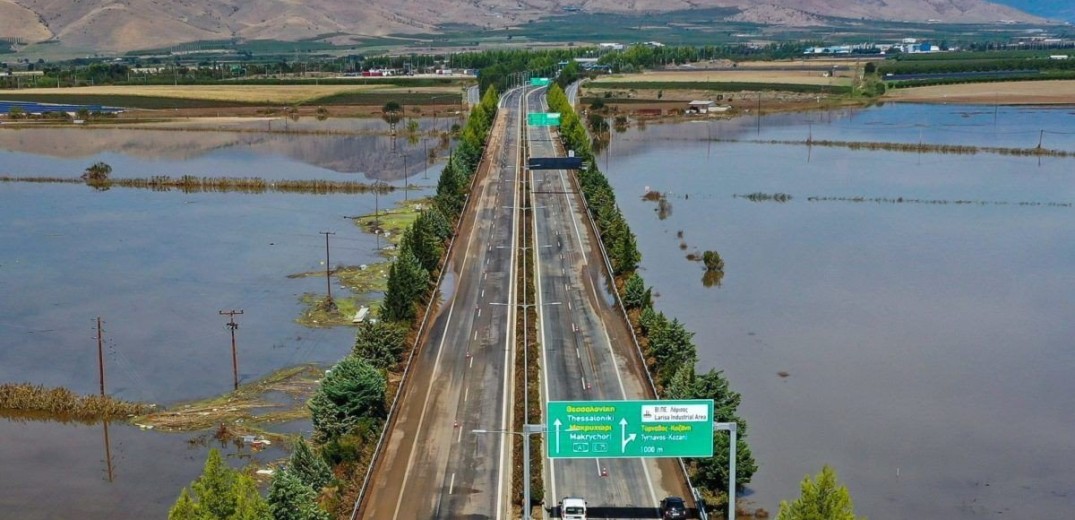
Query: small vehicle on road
[[573, 508], [673, 508]]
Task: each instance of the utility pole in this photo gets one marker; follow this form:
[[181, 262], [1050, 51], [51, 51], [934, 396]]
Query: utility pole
[[100, 356], [328, 270], [234, 357]]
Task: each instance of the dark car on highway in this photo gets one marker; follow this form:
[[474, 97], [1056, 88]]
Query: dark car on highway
[[673, 508]]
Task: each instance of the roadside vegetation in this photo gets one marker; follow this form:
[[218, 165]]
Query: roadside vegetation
[[224, 493], [668, 347], [821, 498]]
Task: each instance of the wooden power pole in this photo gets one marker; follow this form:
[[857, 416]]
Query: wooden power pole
[[329, 304], [234, 357]]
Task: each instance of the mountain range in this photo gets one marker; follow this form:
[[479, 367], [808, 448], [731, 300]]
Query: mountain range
[[124, 25], [1052, 9]]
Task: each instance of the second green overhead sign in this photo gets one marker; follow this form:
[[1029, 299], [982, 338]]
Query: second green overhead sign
[[630, 429]]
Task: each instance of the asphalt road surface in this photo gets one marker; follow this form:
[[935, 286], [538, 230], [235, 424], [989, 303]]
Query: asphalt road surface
[[588, 353], [433, 466]]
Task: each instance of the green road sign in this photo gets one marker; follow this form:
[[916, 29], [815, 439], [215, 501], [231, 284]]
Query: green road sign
[[630, 429], [539, 82], [543, 119]]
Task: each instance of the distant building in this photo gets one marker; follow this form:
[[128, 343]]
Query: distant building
[[700, 107]]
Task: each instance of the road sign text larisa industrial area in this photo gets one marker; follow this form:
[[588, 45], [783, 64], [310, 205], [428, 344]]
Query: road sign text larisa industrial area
[[630, 429], [539, 82], [543, 118]]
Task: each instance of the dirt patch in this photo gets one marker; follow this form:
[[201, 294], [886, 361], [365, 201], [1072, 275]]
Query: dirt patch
[[787, 75], [1060, 92]]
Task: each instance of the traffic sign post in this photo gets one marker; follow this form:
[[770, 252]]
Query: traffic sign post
[[630, 429], [540, 82], [543, 119]]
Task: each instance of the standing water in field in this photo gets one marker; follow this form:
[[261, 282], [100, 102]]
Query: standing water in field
[[903, 317], [158, 267]]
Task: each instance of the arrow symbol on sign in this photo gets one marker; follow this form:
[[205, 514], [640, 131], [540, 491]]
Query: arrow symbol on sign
[[557, 423], [624, 437]]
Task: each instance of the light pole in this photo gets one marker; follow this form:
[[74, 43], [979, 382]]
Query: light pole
[[730, 427], [528, 430]]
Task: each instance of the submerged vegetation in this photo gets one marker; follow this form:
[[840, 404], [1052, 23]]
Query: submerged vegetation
[[957, 149], [192, 184], [63, 404], [782, 197], [245, 410]]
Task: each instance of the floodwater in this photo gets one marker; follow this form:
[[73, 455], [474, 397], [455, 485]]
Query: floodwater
[[338, 150], [158, 267], [922, 348]]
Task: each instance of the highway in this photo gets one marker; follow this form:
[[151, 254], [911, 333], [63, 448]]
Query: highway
[[433, 466], [588, 353]]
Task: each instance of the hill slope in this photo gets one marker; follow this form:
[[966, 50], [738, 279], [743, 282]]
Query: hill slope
[[120, 25], [1053, 9]]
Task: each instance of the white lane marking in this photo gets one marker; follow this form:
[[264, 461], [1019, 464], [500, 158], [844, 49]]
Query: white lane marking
[[483, 293], [475, 335], [583, 382], [574, 216], [479, 312], [466, 394], [471, 364], [429, 391], [451, 484], [578, 355]]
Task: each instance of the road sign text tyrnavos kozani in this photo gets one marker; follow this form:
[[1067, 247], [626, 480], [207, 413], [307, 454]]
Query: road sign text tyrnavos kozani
[[630, 429]]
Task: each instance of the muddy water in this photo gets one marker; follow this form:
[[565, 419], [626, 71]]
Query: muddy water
[[157, 267], [927, 346]]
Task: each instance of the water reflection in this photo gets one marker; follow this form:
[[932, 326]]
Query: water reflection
[[922, 349], [145, 152]]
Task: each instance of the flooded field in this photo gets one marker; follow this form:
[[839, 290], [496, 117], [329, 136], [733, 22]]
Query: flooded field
[[903, 317], [158, 267]]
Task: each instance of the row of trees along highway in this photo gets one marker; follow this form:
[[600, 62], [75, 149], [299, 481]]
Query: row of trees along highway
[[350, 406], [669, 348]]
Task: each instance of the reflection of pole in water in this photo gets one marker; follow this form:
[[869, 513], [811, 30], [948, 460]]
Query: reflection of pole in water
[[759, 113], [108, 452], [708, 138], [100, 356]]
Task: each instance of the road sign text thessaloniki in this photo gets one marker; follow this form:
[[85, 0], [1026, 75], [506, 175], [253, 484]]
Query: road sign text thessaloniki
[[630, 429]]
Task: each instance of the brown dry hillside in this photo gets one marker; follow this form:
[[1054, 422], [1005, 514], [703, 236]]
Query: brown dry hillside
[[111, 25]]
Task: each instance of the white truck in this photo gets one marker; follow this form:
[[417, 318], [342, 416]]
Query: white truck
[[573, 508]]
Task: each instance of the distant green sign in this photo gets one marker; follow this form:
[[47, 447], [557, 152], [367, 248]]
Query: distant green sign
[[543, 119], [630, 429], [540, 82]]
